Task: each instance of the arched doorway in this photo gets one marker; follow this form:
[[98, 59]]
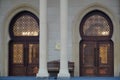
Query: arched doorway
[[96, 46], [24, 44]]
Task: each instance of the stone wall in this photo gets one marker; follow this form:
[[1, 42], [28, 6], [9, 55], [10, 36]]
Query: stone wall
[[76, 10]]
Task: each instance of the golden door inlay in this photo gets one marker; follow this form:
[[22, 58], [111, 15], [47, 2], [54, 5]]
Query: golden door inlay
[[103, 49]]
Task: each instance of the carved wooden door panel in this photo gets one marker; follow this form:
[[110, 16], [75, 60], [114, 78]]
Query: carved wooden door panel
[[96, 58], [87, 61], [33, 59], [105, 59], [16, 59], [23, 58]]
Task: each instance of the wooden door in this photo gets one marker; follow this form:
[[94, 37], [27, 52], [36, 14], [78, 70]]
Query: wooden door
[[96, 58], [23, 58]]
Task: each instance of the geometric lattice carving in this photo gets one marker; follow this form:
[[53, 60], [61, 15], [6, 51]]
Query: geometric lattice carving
[[18, 53], [26, 25], [96, 25]]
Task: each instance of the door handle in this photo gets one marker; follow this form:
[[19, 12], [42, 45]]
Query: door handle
[[96, 59], [95, 51], [25, 54]]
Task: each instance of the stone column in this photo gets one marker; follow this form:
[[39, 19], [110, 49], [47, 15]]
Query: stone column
[[43, 72], [63, 35]]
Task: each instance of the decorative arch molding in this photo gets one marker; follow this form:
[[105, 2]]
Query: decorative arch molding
[[8, 18], [76, 35]]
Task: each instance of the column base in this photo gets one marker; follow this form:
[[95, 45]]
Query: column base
[[63, 73], [42, 73]]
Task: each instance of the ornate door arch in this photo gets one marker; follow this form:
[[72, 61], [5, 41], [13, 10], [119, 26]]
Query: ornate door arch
[[96, 46], [23, 46]]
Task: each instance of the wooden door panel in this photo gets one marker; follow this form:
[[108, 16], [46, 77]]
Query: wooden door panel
[[16, 57], [33, 53], [18, 70], [18, 53], [88, 59], [105, 71], [105, 58], [96, 58], [88, 56], [33, 59], [88, 71], [32, 70]]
